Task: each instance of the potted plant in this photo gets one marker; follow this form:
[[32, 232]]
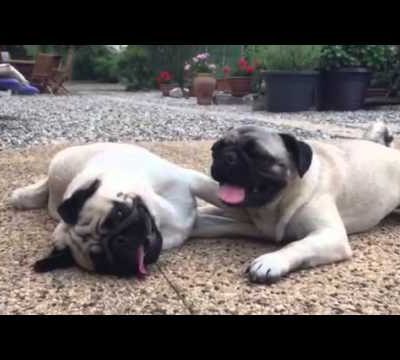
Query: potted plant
[[240, 80], [223, 83], [204, 82], [347, 72], [290, 78], [164, 81]]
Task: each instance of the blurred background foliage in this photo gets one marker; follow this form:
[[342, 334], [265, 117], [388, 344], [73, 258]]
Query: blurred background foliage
[[137, 66]]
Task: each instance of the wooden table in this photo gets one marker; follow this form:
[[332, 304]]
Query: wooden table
[[25, 67]]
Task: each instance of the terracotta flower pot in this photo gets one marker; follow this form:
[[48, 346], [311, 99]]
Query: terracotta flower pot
[[166, 88], [204, 87], [223, 85], [240, 85]]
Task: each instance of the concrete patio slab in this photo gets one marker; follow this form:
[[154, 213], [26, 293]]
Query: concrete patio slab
[[210, 276], [203, 277]]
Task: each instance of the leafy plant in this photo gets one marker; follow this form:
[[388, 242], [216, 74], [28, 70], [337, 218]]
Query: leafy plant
[[373, 57], [93, 62], [134, 68], [285, 57], [106, 68], [243, 68], [200, 64]]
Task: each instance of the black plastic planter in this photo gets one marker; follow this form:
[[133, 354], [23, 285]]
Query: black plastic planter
[[290, 91], [343, 89]]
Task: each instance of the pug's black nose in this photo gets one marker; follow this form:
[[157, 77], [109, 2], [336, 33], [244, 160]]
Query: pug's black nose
[[230, 158]]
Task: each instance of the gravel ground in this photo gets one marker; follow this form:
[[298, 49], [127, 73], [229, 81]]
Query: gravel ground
[[102, 113]]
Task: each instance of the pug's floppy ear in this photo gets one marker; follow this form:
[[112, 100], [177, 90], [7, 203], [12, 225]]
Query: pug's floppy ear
[[301, 152], [218, 145], [69, 210], [58, 259]]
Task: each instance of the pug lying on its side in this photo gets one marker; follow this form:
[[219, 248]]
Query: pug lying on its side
[[118, 205]]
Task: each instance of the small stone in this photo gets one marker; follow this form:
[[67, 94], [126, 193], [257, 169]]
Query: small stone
[[259, 103], [221, 98], [248, 99], [176, 93]]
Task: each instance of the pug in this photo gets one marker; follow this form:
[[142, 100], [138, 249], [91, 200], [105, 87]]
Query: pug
[[305, 196], [118, 206]]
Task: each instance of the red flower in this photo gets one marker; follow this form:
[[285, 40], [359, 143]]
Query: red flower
[[164, 77], [243, 64], [250, 69], [227, 70]]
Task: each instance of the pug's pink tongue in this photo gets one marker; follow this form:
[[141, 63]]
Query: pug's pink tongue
[[140, 261], [232, 194]]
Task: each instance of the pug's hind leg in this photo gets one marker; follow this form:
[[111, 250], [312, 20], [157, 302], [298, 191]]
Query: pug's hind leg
[[33, 196]]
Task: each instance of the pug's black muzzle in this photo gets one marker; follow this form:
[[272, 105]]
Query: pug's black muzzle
[[231, 167], [234, 167], [121, 246]]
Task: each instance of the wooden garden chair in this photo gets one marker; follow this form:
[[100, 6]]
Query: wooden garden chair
[[59, 77], [44, 74]]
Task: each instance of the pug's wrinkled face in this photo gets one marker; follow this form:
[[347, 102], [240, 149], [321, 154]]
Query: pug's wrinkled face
[[114, 235], [254, 165]]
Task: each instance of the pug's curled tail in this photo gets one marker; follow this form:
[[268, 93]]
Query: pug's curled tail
[[380, 133], [33, 196]]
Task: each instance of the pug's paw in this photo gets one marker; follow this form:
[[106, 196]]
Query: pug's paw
[[16, 199], [268, 268]]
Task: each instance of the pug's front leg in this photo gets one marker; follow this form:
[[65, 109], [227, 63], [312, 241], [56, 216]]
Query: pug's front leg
[[326, 243], [319, 248]]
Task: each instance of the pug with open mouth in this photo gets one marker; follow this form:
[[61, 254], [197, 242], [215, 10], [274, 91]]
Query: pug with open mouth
[[306, 196], [118, 206]]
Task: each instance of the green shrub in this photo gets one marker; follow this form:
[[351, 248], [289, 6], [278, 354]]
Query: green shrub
[[286, 57], [135, 70], [374, 57], [94, 62], [106, 68]]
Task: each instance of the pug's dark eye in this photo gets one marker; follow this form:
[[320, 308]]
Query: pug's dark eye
[[119, 213]]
